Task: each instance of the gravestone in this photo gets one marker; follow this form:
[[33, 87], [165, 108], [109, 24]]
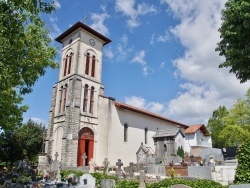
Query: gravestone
[[84, 157], [87, 180], [54, 168], [130, 170], [119, 170], [92, 166], [142, 179], [72, 178], [108, 183], [105, 165]]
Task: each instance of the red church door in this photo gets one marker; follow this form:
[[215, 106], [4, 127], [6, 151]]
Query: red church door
[[85, 145]]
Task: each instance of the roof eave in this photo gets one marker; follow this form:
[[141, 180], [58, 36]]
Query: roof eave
[[131, 108], [85, 27]]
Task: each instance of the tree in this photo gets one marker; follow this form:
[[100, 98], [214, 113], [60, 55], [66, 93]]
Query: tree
[[25, 53], [10, 148], [216, 125], [30, 135], [232, 135], [243, 156], [23, 143], [235, 38]]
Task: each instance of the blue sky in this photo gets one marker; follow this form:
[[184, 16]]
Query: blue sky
[[161, 57]]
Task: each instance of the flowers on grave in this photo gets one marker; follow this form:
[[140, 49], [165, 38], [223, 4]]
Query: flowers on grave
[[171, 163], [98, 168], [172, 172]]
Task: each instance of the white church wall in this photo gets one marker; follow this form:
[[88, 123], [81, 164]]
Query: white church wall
[[126, 151], [101, 138]]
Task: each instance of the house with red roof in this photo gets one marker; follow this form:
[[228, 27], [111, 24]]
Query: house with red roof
[[197, 137]]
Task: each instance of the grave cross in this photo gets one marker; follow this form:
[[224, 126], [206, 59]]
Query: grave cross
[[84, 157], [131, 170], [119, 164], [56, 155], [105, 164], [142, 179], [92, 166]]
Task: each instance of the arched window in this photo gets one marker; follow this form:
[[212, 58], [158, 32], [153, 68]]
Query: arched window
[[64, 99], [93, 66], [91, 100], [87, 64], [60, 101], [125, 133], [70, 60], [146, 135], [85, 100], [65, 66]]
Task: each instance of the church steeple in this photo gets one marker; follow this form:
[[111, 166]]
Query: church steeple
[[82, 51], [75, 95]]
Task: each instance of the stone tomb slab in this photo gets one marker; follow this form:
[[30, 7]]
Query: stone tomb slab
[[240, 186]]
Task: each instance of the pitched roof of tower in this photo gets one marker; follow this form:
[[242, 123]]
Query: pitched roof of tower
[[138, 110], [193, 128], [85, 27]]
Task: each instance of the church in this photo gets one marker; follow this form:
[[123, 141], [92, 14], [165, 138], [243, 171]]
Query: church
[[85, 122]]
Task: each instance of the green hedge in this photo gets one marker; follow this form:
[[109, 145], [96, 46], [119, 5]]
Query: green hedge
[[134, 183]]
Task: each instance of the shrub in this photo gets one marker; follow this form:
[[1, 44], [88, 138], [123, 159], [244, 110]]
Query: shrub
[[23, 179], [65, 173], [192, 183], [243, 155]]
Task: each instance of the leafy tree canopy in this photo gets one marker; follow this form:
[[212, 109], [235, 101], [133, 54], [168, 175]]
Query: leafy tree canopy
[[235, 38], [23, 143], [25, 53], [231, 127]]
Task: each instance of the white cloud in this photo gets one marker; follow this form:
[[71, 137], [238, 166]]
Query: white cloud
[[160, 38], [108, 52], [163, 38], [140, 58], [205, 86], [57, 4], [55, 31], [123, 50], [39, 121], [129, 9], [98, 22], [140, 102]]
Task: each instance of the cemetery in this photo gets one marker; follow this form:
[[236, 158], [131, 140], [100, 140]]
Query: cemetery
[[150, 170]]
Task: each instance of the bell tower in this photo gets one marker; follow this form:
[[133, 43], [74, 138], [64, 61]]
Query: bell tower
[[74, 107]]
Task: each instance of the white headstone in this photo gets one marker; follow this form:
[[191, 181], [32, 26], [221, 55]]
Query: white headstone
[[88, 181]]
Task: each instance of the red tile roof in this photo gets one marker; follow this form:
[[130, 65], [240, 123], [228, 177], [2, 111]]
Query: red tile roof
[[193, 128], [138, 110]]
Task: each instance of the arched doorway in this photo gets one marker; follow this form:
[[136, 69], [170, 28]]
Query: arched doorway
[[85, 145]]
